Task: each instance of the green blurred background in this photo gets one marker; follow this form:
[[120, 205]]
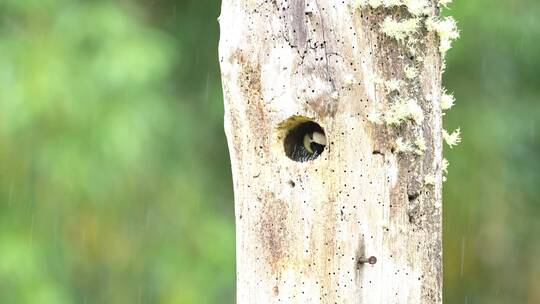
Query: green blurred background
[[115, 184]]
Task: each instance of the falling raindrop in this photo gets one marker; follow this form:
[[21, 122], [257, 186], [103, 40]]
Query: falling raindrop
[[462, 255]]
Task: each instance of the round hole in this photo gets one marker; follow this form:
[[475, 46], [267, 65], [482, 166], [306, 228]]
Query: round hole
[[305, 141]]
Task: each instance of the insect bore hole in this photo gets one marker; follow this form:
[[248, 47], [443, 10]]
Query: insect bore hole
[[305, 141]]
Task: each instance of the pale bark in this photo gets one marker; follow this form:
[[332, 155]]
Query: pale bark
[[302, 228]]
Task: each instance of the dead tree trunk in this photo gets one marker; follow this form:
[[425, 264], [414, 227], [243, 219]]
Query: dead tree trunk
[[360, 221]]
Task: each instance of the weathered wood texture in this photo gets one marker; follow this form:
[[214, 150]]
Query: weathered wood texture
[[302, 227]]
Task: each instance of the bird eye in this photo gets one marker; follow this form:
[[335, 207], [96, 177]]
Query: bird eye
[[305, 140]]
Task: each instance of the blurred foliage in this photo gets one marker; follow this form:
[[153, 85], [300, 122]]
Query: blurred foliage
[[492, 197], [115, 184], [110, 119]]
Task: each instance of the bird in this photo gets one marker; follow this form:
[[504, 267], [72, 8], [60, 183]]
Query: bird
[[311, 147], [314, 142]]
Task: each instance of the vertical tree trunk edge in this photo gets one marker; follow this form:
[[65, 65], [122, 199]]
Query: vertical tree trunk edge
[[333, 115]]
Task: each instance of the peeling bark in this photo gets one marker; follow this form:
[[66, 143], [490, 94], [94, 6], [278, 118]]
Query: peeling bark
[[305, 230]]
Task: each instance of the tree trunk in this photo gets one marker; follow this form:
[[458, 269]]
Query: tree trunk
[[360, 221]]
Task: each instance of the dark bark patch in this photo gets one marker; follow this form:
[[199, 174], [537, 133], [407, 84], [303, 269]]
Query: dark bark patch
[[273, 231], [249, 79]]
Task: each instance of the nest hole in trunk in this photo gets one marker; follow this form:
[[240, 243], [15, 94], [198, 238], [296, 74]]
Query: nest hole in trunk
[[305, 139]]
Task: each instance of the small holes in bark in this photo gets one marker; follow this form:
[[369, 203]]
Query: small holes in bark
[[305, 139]]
